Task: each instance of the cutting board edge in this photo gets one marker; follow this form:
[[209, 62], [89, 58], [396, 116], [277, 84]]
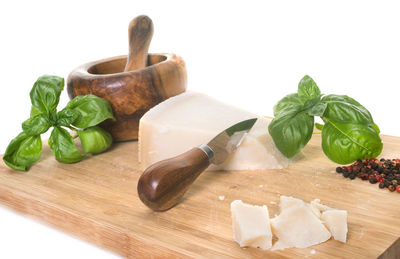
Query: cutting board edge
[[85, 229]]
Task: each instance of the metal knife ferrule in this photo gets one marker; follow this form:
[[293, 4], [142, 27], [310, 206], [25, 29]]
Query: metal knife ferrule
[[206, 149]]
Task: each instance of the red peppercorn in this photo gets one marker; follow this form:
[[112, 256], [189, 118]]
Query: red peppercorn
[[398, 188]]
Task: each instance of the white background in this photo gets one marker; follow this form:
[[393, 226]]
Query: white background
[[248, 53]]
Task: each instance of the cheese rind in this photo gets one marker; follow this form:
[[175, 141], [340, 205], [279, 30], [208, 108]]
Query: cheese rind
[[251, 225], [191, 119], [336, 221], [297, 226]]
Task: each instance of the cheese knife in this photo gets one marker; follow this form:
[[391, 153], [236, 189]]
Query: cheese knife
[[163, 184]]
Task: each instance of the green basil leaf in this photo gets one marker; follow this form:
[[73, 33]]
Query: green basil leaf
[[317, 110], [291, 131], [345, 143], [92, 110], [345, 109], [375, 127], [319, 126], [45, 94], [95, 139], [36, 125], [23, 151], [308, 89], [308, 104], [35, 111], [66, 117], [290, 101], [63, 147]]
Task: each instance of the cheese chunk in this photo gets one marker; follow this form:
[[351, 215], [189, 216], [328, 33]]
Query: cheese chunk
[[317, 207], [289, 202], [251, 226], [336, 221], [297, 226], [190, 119]]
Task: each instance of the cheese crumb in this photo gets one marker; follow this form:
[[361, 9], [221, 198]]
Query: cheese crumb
[[221, 197]]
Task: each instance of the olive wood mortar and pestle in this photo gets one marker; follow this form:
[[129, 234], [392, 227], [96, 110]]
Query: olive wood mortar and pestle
[[132, 84]]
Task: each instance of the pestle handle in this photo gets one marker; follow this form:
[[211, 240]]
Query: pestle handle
[[164, 183], [140, 33]]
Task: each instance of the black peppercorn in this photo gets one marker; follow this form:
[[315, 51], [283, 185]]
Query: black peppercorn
[[386, 172], [372, 180]]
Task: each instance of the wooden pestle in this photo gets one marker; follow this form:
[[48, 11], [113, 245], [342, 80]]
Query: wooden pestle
[[140, 32]]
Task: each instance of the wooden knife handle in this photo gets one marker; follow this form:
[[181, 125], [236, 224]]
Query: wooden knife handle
[[140, 34], [164, 183]]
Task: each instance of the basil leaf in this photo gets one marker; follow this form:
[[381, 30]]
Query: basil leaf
[[36, 125], [319, 126], [23, 151], [63, 147], [345, 143], [317, 110], [308, 104], [35, 111], [308, 89], [45, 94], [291, 131], [345, 109], [375, 127], [290, 101], [92, 110], [66, 117], [95, 139]]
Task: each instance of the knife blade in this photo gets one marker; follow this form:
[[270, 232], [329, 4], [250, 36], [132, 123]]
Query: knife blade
[[163, 184]]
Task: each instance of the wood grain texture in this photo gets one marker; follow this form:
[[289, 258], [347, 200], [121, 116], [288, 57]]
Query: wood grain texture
[[132, 93], [163, 184], [140, 33], [97, 200]]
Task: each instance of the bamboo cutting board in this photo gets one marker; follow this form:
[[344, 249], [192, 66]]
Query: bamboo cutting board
[[97, 201]]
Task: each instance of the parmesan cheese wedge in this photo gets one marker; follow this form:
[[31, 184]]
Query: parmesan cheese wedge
[[297, 226], [190, 119], [251, 226]]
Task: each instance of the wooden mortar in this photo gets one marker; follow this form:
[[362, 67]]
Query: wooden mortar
[[132, 84]]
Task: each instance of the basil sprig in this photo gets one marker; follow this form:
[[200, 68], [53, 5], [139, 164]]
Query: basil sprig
[[81, 114], [349, 132]]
